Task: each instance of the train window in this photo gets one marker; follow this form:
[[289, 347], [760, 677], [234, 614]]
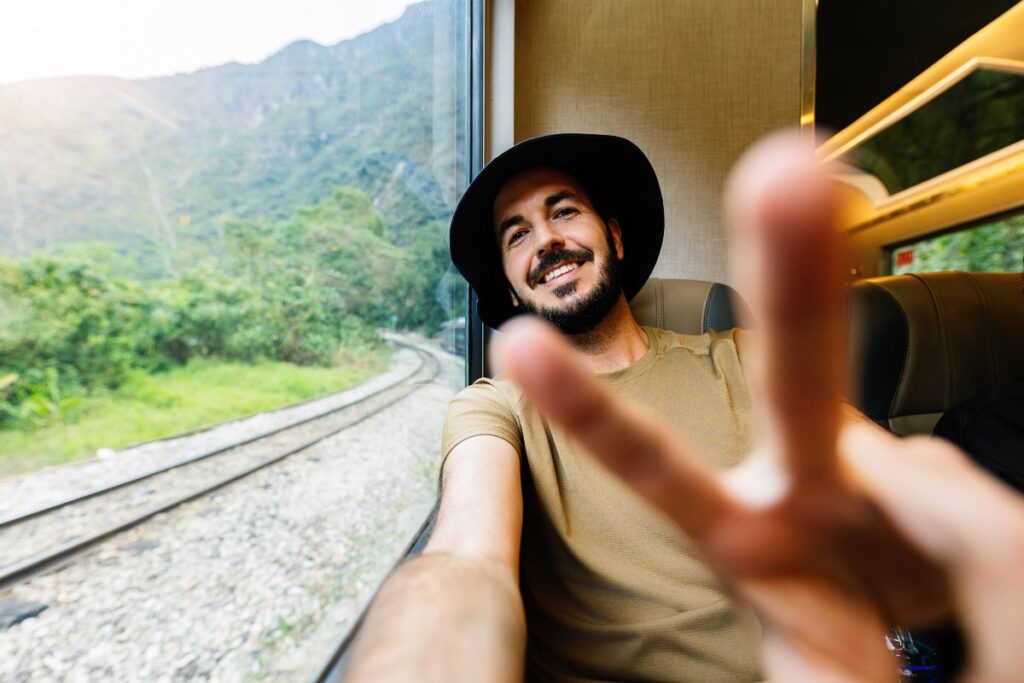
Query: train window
[[229, 326], [993, 246], [976, 112]]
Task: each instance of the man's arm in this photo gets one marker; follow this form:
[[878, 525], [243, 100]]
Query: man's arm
[[454, 613]]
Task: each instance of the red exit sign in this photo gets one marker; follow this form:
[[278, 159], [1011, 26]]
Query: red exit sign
[[905, 257]]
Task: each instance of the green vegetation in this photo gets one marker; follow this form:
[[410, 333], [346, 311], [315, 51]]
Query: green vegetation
[[997, 247], [90, 358], [296, 290], [203, 393]]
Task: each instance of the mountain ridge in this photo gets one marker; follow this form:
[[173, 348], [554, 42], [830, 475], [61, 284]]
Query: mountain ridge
[[163, 163]]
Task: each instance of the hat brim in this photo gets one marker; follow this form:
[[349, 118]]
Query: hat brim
[[617, 175]]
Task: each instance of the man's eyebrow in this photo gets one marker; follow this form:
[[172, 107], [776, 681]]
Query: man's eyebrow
[[508, 223], [548, 202], [559, 196]]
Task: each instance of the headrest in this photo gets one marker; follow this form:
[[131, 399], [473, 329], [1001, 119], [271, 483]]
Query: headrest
[[928, 341], [688, 306]]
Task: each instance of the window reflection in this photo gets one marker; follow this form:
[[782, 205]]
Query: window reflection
[[980, 114]]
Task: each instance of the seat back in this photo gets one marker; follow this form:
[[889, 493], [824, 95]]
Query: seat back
[[689, 306], [928, 341]]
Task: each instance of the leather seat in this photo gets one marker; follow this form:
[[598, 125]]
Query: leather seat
[[689, 306], [930, 340]]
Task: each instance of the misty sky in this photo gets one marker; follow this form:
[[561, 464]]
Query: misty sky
[[140, 38]]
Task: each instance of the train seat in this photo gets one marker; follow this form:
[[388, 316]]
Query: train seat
[[689, 306], [928, 341]]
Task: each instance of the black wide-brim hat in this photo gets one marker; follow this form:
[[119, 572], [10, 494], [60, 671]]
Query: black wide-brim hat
[[615, 173]]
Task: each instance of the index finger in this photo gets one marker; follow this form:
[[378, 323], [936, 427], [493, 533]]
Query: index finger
[[639, 449], [786, 260]]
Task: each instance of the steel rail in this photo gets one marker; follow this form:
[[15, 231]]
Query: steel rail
[[18, 571], [19, 517]]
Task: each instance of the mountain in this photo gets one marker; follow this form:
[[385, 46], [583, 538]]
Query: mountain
[[157, 167]]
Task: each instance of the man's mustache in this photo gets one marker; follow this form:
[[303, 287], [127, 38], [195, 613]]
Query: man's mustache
[[553, 258]]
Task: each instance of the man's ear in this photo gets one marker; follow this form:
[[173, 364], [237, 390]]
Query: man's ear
[[613, 227], [515, 299]]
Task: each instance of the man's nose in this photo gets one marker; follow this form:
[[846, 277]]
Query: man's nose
[[547, 238]]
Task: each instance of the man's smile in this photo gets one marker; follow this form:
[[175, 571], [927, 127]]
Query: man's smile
[[558, 272], [555, 265]]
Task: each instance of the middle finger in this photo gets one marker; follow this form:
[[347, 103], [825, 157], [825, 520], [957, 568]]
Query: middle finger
[[787, 261]]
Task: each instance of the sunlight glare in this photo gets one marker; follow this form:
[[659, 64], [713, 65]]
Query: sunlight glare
[[144, 38]]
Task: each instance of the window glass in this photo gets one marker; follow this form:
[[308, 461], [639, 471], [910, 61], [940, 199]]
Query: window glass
[[992, 247], [979, 115], [221, 223]]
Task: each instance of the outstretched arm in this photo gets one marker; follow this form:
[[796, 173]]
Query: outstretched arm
[[833, 531], [454, 613]]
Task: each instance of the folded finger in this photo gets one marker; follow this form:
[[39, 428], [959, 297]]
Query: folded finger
[[786, 260], [816, 632], [637, 448], [969, 522]]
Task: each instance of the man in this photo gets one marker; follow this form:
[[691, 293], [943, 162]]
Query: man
[[832, 531], [568, 227]]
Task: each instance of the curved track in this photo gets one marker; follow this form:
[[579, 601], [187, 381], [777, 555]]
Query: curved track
[[56, 531]]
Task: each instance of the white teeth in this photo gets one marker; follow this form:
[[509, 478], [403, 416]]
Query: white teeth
[[561, 270]]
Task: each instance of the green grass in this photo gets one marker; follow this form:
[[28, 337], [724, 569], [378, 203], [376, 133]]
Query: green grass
[[201, 394]]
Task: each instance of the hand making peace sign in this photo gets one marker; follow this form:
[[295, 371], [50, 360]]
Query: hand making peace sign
[[832, 530]]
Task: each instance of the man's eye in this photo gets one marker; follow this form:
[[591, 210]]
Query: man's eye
[[565, 212], [516, 236]]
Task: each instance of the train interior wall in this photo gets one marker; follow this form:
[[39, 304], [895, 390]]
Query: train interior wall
[[693, 83]]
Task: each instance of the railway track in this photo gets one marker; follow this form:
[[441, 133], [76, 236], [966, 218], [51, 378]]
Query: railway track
[[36, 539]]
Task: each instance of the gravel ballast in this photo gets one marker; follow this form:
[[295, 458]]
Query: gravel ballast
[[255, 582]]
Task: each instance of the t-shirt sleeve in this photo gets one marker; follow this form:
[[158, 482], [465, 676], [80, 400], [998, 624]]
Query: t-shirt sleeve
[[743, 341], [480, 409]]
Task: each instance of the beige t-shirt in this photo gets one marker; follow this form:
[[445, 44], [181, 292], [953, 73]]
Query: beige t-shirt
[[612, 591]]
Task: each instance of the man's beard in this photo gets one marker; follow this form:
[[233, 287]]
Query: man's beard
[[586, 313]]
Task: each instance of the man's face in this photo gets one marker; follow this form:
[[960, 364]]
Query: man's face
[[560, 258]]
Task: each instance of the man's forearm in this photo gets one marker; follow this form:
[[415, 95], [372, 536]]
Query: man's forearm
[[443, 617]]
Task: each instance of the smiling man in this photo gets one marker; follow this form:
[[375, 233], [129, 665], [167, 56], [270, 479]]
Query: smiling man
[[561, 258], [568, 228]]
